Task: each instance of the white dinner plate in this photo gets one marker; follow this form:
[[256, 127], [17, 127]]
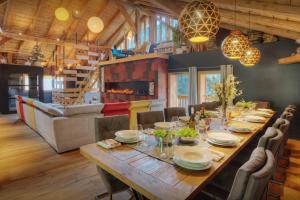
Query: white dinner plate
[[222, 136], [193, 155], [181, 164], [266, 110], [128, 141], [239, 129], [128, 134], [165, 125]]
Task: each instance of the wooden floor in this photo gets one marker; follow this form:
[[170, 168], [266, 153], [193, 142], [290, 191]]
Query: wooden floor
[[31, 169]]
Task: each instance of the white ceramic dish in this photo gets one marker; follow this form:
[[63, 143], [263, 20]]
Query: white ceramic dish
[[128, 134], [255, 119], [164, 125]]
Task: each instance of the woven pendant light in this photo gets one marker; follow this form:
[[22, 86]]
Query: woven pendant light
[[95, 24], [62, 14], [234, 45], [199, 21], [250, 57]]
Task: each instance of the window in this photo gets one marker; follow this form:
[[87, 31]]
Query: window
[[48, 84], [163, 28], [207, 81], [130, 40], [178, 89], [179, 84]]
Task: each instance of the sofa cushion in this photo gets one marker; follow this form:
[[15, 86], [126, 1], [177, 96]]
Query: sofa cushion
[[28, 100], [55, 112], [121, 108], [82, 109]]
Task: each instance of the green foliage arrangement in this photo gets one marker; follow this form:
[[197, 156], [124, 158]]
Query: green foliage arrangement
[[187, 132], [245, 104]]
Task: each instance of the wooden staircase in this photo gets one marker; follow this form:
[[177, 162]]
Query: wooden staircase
[[72, 84]]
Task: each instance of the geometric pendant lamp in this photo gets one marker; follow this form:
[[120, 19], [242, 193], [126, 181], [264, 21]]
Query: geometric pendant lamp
[[199, 21], [234, 45], [250, 57]]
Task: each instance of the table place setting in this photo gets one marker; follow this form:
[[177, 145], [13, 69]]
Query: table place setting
[[222, 138], [128, 136], [255, 119]]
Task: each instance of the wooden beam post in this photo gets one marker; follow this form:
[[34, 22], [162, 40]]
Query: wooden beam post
[[126, 15]]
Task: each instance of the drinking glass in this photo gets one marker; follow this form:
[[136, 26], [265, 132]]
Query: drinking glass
[[144, 135]]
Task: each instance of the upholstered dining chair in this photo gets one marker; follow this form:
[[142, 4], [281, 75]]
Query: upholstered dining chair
[[147, 119], [262, 104], [211, 105], [196, 107], [249, 181], [287, 115], [174, 112], [105, 129]]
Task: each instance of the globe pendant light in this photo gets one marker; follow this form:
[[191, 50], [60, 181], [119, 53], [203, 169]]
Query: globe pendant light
[[199, 21], [250, 57], [95, 24], [234, 45], [62, 14]]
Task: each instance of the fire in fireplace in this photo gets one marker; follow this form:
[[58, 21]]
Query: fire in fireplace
[[139, 88], [121, 91]]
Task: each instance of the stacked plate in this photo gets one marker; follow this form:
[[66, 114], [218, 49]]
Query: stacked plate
[[128, 136], [222, 138], [239, 127], [255, 119], [193, 158], [266, 110], [165, 125], [261, 113]]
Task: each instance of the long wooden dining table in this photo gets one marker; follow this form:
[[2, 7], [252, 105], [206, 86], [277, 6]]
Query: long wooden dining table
[[156, 179]]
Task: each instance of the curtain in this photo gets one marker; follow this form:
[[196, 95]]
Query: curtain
[[193, 86]]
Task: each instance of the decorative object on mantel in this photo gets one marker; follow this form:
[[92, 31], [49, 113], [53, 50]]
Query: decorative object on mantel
[[226, 92], [234, 45], [95, 24], [250, 57], [62, 14], [199, 21], [294, 58]]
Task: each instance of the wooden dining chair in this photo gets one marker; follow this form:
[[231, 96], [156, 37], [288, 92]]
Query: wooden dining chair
[[174, 112], [105, 129], [147, 119], [262, 104]]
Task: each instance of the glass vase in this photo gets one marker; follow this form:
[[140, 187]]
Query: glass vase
[[162, 150]]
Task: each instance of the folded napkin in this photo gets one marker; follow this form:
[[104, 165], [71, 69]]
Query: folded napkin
[[108, 144], [217, 155]]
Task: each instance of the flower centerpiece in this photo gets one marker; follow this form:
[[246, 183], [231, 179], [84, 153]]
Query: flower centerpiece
[[226, 92]]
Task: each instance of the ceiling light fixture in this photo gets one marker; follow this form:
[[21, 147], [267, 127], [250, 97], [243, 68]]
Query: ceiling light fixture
[[62, 14], [199, 21], [95, 24]]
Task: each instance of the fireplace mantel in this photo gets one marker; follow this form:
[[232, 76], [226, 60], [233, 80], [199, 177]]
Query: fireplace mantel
[[135, 58]]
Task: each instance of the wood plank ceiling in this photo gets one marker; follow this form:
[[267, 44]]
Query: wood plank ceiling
[[36, 22]]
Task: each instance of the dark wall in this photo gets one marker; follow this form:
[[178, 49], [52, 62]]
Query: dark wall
[[279, 84]]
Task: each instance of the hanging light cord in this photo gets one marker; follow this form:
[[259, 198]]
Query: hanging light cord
[[235, 14]]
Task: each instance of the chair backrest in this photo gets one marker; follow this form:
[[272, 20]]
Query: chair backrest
[[105, 129], [107, 126], [262, 104], [256, 161], [147, 119], [173, 112], [211, 105], [291, 108], [287, 115], [197, 107], [258, 181], [283, 125], [271, 140]]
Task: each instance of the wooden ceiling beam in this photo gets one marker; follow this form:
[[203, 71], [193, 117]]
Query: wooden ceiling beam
[[72, 27], [44, 40], [126, 15], [6, 14], [99, 12], [108, 24], [168, 5], [4, 40], [32, 23], [117, 32], [2, 2]]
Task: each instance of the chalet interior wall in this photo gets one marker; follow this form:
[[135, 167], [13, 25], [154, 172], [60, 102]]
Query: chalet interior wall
[[266, 81]]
